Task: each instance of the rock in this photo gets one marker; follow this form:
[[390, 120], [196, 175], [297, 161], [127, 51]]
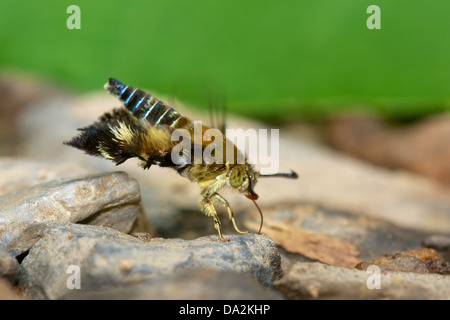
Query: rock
[[109, 199], [190, 284], [8, 264], [396, 262], [144, 236], [424, 260], [319, 281], [109, 259], [429, 256]]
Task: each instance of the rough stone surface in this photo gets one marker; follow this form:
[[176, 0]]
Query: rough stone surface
[[424, 260], [320, 281], [108, 258], [396, 262], [191, 284], [109, 199]]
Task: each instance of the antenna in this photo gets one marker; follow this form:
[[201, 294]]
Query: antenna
[[292, 175]]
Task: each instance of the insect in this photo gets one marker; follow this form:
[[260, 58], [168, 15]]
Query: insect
[[143, 130]]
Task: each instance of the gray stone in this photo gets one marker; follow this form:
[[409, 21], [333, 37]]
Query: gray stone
[[396, 262], [109, 199], [108, 258], [313, 280], [190, 284]]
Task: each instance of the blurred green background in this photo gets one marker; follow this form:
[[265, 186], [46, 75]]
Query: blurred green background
[[271, 59]]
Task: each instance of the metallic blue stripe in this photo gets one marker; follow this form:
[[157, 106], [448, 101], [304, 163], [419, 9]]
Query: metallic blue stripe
[[150, 110], [162, 116], [123, 91], [137, 104], [129, 97]]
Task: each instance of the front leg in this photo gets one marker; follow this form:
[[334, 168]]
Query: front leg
[[221, 201], [208, 209]]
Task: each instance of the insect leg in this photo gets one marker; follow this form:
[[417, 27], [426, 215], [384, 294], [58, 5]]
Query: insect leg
[[221, 201], [208, 209]]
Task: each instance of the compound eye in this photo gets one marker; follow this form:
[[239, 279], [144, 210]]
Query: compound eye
[[237, 177]]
